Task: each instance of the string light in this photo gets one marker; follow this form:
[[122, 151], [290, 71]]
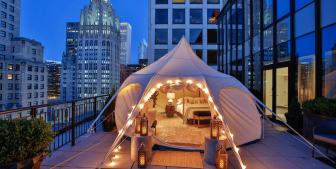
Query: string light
[[116, 156], [215, 108], [210, 99], [130, 122], [237, 149], [231, 135], [189, 81], [243, 166], [146, 98], [119, 147], [177, 81], [199, 85], [129, 115], [220, 117], [116, 150], [153, 90], [133, 107], [141, 106], [206, 90], [159, 85], [112, 163], [169, 81]]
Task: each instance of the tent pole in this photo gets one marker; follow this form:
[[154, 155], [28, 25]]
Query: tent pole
[[183, 107]]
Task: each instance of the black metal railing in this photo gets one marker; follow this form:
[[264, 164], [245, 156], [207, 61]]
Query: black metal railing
[[61, 114]]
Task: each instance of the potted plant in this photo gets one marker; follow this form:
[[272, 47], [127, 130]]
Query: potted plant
[[294, 116], [108, 123], [24, 143]]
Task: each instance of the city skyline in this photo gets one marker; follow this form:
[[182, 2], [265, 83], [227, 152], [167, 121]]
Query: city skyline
[[32, 29]]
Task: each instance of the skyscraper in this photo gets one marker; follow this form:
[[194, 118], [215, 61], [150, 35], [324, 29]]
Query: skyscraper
[[142, 50], [94, 68], [126, 41], [54, 79]]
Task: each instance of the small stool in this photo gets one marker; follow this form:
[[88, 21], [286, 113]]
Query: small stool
[[211, 147], [202, 115], [136, 142]]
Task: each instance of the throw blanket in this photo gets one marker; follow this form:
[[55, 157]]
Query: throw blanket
[[189, 109]]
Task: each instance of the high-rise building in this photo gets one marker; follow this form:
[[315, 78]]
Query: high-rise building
[[94, 67], [71, 38], [126, 43], [54, 79], [142, 50], [170, 20]]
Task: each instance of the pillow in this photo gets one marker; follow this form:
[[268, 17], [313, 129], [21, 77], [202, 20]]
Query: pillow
[[192, 101], [186, 100], [196, 101]]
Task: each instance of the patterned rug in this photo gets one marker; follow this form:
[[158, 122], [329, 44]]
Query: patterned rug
[[163, 120], [187, 135]]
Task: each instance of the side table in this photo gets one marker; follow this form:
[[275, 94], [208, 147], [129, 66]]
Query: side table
[[170, 110], [136, 142], [211, 147]]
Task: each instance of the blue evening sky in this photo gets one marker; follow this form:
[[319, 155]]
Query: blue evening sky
[[45, 21]]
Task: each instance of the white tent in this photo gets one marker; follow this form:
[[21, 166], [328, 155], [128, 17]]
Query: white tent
[[229, 99]]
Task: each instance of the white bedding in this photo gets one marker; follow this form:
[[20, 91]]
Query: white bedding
[[204, 107]]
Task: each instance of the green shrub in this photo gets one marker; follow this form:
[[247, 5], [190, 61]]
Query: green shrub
[[294, 107], [23, 139], [320, 106]]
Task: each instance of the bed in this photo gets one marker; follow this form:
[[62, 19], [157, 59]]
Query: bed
[[190, 106]]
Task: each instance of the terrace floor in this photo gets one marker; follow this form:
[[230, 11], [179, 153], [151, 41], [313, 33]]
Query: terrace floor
[[278, 150]]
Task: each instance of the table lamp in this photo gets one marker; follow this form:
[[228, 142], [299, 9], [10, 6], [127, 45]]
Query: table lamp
[[170, 97]]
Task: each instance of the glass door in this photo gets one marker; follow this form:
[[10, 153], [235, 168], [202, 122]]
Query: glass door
[[282, 92], [268, 90]]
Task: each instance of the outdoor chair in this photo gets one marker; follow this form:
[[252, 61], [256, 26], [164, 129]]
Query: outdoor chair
[[325, 132]]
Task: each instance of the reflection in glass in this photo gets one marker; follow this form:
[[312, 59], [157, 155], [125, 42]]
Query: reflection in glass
[[283, 7], [268, 12], [199, 53], [305, 54], [240, 37], [247, 19], [256, 68], [268, 91], [161, 16], [240, 64], [268, 38], [212, 35], [195, 16], [247, 73], [329, 62], [256, 43], [283, 30], [213, 1], [196, 36], [256, 17], [212, 57], [211, 13], [159, 53], [282, 92], [178, 1], [161, 1], [305, 20], [161, 36], [284, 52], [178, 16], [328, 10], [195, 1], [177, 35], [301, 3], [247, 47], [268, 56]]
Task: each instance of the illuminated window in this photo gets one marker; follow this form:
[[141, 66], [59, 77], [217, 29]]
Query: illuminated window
[[10, 77]]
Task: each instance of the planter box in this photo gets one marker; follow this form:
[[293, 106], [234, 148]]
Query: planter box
[[108, 124], [33, 163], [312, 120]]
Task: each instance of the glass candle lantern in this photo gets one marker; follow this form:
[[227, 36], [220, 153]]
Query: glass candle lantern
[[142, 156], [214, 128], [223, 161], [144, 126], [137, 123]]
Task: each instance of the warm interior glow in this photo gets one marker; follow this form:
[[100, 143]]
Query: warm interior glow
[[146, 98], [141, 106], [221, 163], [112, 163], [189, 81], [116, 150], [153, 91], [120, 131], [199, 85], [144, 130], [170, 95], [177, 81], [116, 156], [206, 91], [159, 85], [169, 81], [142, 160], [214, 133]]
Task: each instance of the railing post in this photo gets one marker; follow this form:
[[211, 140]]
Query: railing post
[[95, 112], [34, 112], [73, 123]]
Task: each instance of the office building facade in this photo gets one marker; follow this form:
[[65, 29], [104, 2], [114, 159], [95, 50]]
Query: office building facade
[[54, 69], [95, 68], [142, 50], [280, 49], [126, 43], [170, 20]]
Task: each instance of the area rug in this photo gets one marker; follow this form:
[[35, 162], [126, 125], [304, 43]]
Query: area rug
[[163, 120], [187, 135], [178, 159]]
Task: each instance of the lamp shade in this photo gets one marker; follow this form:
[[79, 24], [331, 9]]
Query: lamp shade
[[170, 95]]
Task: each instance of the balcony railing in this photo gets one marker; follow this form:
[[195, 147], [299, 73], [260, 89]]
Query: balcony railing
[[61, 114]]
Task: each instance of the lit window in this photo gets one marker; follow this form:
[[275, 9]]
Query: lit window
[[34, 52], [10, 67], [34, 59], [10, 77]]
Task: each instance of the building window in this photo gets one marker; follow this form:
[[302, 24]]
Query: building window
[[17, 76], [30, 68], [10, 67], [159, 53], [17, 95], [33, 59], [29, 86], [305, 20], [177, 35], [301, 3], [212, 36], [283, 7], [11, 27], [42, 69], [17, 67], [3, 33], [11, 8], [10, 77], [211, 14], [3, 14], [35, 103], [36, 77], [10, 86], [283, 31], [17, 86], [4, 5], [36, 69], [178, 1], [28, 104], [11, 17], [212, 57], [161, 36], [0, 76], [161, 16], [195, 1], [10, 35], [34, 52], [41, 103], [41, 94], [213, 1], [35, 95], [42, 78], [196, 36], [42, 86], [178, 16], [3, 24], [35, 86], [10, 96], [161, 1], [29, 77], [196, 16], [2, 47], [199, 53], [329, 62], [327, 10], [0, 86]]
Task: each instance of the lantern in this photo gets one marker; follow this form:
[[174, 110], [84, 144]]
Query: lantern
[[222, 161], [142, 156], [144, 126], [220, 150], [214, 128], [137, 123]]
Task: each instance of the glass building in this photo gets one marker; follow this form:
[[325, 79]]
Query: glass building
[[280, 49]]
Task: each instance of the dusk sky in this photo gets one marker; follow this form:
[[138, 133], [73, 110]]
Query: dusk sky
[[45, 21]]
